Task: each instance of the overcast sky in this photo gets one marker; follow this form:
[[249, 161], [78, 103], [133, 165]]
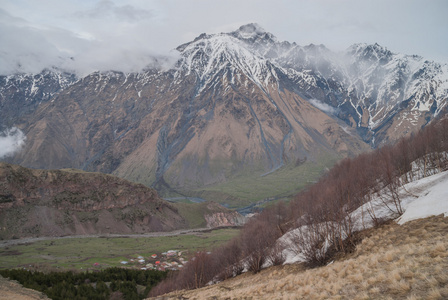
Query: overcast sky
[[125, 35]]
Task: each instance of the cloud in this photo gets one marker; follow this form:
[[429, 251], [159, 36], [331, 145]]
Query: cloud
[[11, 141], [125, 35], [107, 8], [323, 106], [105, 37], [25, 48]]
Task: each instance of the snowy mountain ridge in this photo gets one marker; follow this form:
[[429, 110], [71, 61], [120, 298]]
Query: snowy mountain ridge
[[368, 83], [37, 85], [221, 54], [382, 78], [21, 94]]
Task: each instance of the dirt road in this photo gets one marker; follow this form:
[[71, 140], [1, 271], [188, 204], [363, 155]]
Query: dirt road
[[6, 243]]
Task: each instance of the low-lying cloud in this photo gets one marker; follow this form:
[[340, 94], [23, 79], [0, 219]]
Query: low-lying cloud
[[108, 8], [323, 106], [108, 37], [11, 141], [102, 35]]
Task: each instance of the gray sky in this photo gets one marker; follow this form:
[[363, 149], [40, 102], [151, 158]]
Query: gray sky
[[125, 35]]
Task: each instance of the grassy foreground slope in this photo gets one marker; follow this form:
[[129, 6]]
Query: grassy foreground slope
[[394, 261]]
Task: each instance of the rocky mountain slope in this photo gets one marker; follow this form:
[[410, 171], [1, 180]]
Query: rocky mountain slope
[[71, 202], [21, 94], [236, 105]]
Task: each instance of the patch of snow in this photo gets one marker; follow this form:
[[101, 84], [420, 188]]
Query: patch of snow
[[346, 130], [418, 200], [432, 201], [323, 106]]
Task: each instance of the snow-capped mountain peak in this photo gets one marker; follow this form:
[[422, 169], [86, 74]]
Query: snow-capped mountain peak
[[367, 84], [251, 31], [223, 54], [369, 51]]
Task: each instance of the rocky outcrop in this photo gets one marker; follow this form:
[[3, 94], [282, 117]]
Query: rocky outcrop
[[223, 219]]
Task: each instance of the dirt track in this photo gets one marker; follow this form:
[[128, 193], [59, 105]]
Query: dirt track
[[6, 243]]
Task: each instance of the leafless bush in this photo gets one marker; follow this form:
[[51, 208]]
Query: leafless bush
[[228, 260], [168, 285], [258, 237], [310, 241], [276, 256], [352, 182], [198, 271]]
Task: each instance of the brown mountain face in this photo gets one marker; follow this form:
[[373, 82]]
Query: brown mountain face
[[238, 112], [72, 202]]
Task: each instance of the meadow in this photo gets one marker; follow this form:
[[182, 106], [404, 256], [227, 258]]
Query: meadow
[[103, 252], [283, 183]]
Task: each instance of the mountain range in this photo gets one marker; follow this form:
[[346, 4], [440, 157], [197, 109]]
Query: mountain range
[[239, 118]]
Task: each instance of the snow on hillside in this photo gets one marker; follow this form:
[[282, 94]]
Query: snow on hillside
[[419, 199], [430, 198]]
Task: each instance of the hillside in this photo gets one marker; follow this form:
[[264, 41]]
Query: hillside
[[408, 261], [72, 202], [327, 220], [13, 290]]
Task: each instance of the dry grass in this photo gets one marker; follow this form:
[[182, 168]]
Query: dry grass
[[392, 262], [11, 289]]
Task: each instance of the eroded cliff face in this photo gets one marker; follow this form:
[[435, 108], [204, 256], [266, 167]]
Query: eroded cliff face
[[224, 219], [72, 202], [216, 215]]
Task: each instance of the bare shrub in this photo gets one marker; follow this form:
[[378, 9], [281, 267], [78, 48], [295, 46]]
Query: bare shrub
[[168, 285], [310, 242], [258, 236], [198, 271], [276, 256], [228, 260]]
